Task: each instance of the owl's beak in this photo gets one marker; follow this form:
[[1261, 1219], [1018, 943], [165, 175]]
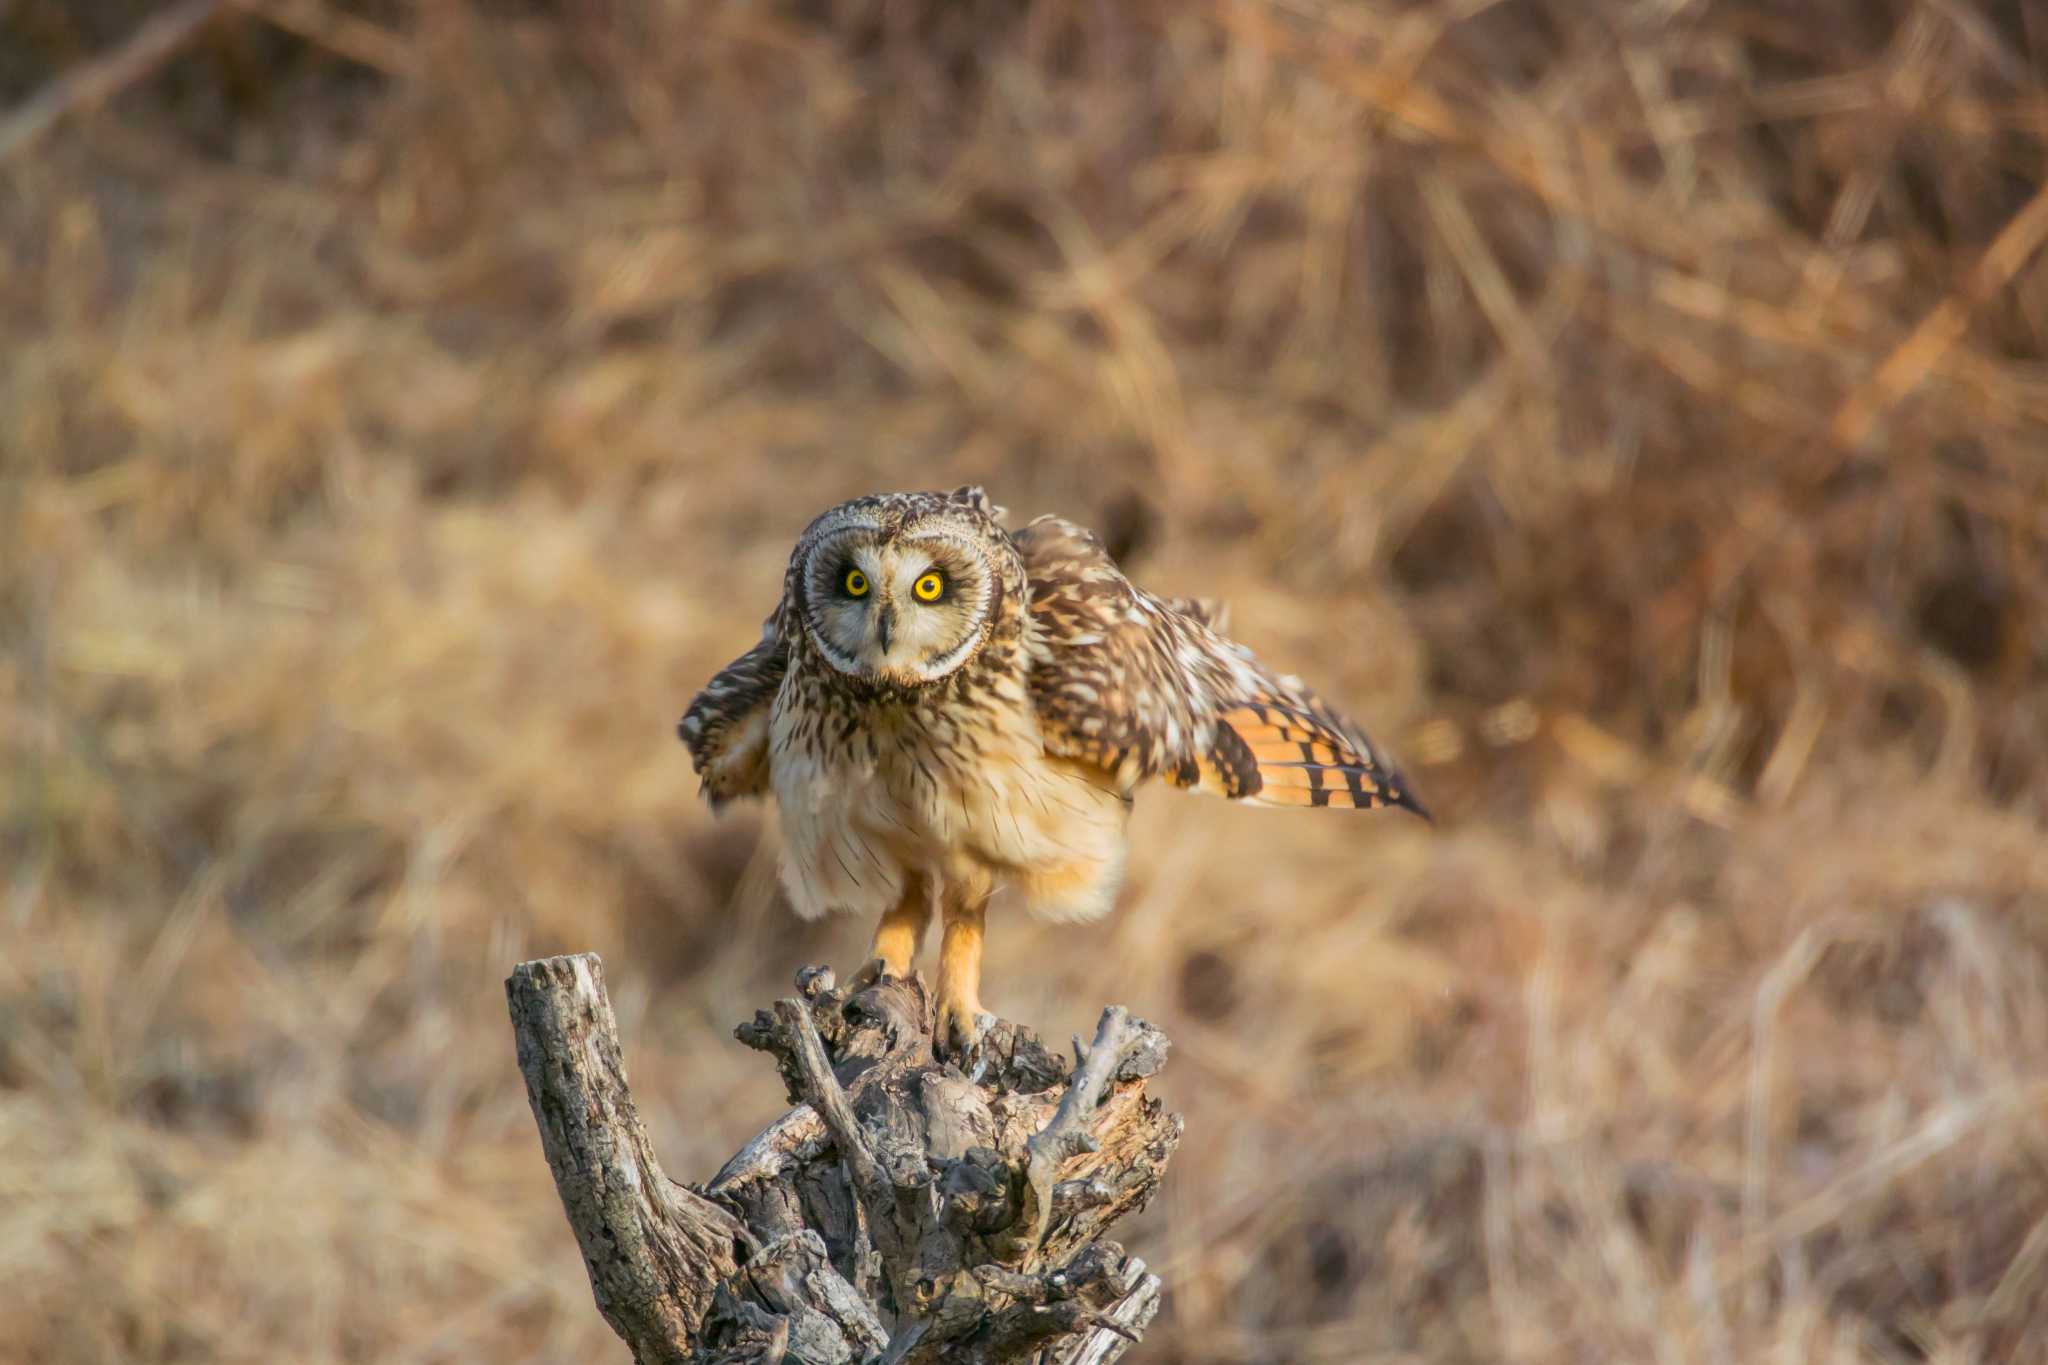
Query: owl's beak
[[885, 626]]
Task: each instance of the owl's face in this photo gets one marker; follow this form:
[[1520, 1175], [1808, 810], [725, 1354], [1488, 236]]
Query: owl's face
[[894, 600]]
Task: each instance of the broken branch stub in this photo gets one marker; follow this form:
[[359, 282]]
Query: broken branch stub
[[902, 1212], [655, 1251]]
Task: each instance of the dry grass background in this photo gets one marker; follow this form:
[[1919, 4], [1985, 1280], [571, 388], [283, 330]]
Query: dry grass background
[[1635, 412]]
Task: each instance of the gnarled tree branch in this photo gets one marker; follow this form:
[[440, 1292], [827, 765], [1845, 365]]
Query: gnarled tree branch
[[656, 1251], [903, 1212]]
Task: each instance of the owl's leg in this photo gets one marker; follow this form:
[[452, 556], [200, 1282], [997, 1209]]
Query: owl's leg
[[962, 1022], [898, 936]]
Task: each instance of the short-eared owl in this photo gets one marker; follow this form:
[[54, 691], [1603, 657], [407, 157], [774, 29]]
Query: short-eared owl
[[940, 707]]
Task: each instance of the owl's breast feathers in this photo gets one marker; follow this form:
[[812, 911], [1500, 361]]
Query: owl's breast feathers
[[1142, 686], [951, 780]]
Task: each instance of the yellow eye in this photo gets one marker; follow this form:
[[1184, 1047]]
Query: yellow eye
[[929, 587], [856, 583]]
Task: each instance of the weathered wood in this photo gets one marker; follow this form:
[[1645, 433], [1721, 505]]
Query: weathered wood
[[1123, 1049], [656, 1251], [903, 1213]]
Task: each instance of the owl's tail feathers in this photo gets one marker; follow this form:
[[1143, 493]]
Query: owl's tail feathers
[[1287, 754]]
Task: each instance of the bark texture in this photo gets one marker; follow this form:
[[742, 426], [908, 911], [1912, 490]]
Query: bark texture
[[902, 1212]]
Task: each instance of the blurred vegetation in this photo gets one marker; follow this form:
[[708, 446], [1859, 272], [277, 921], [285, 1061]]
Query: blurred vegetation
[[1634, 413]]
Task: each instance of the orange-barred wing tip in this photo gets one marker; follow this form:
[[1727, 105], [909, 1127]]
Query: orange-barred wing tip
[[1353, 785], [1339, 796], [1305, 758], [1301, 750], [1404, 799]]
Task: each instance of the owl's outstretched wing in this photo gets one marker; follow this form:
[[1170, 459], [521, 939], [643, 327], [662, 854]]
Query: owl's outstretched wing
[[1142, 686], [1211, 613], [726, 726]]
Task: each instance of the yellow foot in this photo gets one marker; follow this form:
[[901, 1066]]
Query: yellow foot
[[961, 1027]]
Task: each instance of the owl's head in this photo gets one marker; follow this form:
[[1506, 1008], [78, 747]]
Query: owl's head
[[901, 589]]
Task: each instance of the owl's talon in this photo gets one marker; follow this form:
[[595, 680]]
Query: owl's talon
[[961, 1031]]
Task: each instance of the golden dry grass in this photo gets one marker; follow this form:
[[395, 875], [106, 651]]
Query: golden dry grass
[[1635, 412]]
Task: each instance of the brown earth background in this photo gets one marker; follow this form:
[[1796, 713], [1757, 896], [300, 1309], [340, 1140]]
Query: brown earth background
[[1635, 414]]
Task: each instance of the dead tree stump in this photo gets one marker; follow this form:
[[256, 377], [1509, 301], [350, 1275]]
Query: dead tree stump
[[903, 1212]]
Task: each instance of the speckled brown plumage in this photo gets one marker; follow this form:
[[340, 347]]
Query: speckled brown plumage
[[1144, 686], [940, 707]]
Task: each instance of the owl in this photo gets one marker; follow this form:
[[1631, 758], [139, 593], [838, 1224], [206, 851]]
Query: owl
[[940, 708]]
